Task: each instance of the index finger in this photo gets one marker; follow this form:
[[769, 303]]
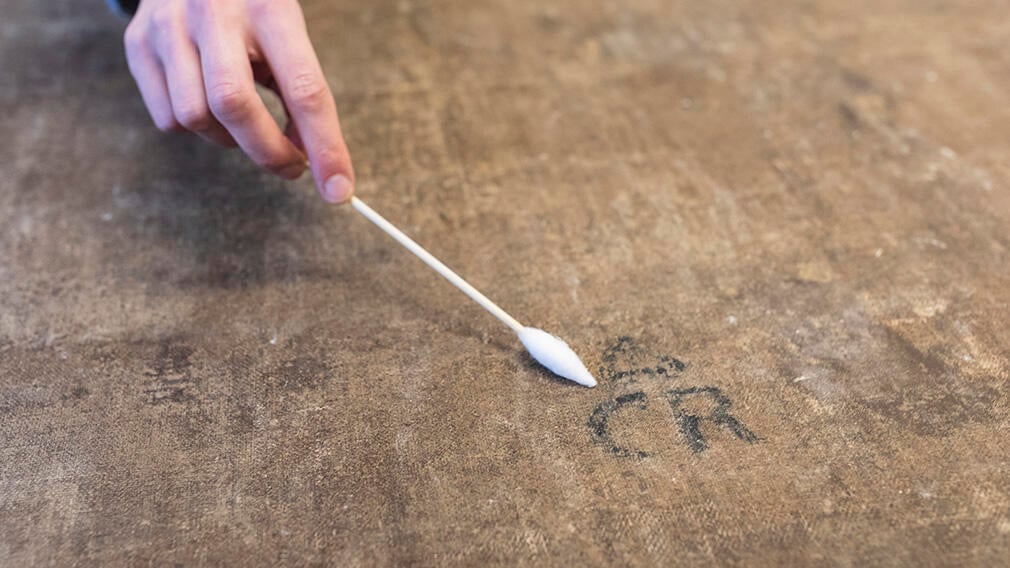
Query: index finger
[[285, 43]]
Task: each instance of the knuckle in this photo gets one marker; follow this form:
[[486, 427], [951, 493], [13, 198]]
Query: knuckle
[[163, 18], [334, 155], [308, 91], [134, 38], [228, 101], [166, 28]]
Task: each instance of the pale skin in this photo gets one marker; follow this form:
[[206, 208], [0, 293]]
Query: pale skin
[[196, 63]]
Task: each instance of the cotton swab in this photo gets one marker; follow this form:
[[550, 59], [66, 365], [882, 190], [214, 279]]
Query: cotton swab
[[549, 350]]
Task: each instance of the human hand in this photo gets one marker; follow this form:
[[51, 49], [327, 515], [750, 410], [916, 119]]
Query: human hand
[[196, 63]]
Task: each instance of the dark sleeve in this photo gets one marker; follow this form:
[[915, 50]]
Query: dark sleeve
[[124, 7]]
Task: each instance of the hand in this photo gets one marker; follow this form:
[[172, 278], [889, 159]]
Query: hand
[[196, 61]]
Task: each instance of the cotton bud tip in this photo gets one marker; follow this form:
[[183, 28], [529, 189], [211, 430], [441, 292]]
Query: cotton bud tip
[[552, 352]]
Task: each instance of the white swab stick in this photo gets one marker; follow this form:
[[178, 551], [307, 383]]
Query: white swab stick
[[436, 264], [549, 350]]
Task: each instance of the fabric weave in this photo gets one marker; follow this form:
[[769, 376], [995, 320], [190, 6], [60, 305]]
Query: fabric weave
[[776, 233]]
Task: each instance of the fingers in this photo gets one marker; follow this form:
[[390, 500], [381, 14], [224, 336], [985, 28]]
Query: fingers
[[291, 130], [207, 86], [150, 80], [232, 98], [280, 30], [181, 62]]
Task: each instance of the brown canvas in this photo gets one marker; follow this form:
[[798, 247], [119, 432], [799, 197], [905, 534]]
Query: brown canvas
[[777, 232]]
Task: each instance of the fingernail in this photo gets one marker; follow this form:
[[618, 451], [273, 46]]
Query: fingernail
[[337, 189], [294, 171]]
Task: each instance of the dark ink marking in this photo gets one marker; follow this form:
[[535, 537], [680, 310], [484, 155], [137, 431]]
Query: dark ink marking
[[161, 395], [690, 424], [599, 423], [170, 374], [623, 361], [76, 393], [626, 350], [623, 344]]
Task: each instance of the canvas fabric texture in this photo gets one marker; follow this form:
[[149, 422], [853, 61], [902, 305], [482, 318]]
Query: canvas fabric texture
[[777, 233]]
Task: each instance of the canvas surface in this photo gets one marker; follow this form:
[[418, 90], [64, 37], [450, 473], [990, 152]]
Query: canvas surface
[[777, 232]]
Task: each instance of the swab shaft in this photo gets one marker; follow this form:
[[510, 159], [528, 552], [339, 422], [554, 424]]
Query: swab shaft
[[435, 264]]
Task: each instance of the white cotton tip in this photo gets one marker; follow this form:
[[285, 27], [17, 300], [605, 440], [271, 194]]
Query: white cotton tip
[[552, 352]]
